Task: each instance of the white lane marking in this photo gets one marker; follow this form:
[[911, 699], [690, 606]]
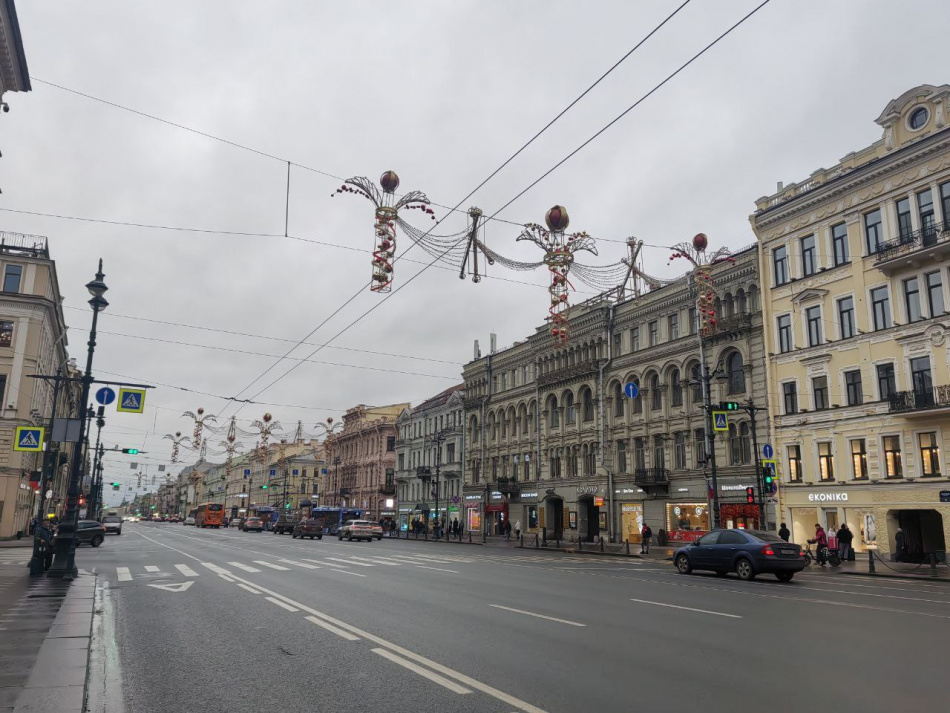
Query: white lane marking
[[186, 570], [272, 566], [300, 564], [329, 627], [377, 561], [226, 578], [358, 564], [539, 616], [180, 587], [281, 604], [331, 564], [250, 589], [152, 568], [123, 574], [196, 559], [346, 571], [215, 568], [437, 569], [424, 672], [674, 606], [420, 558], [245, 567]]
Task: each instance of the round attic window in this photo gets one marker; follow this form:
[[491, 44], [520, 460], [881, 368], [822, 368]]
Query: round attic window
[[918, 118]]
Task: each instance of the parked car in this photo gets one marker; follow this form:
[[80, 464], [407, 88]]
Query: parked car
[[237, 522], [112, 523], [377, 530], [359, 530], [286, 523], [89, 532], [252, 523], [189, 520], [745, 552], [308, 528]]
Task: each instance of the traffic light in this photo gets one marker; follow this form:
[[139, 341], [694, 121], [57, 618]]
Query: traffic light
[[750, 494], [264, 487], [728, 405], [769, 477], [115, 486], [131, 451]]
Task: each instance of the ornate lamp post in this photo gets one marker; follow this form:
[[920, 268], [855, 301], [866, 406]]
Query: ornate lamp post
[[177, 440], [200, 420]]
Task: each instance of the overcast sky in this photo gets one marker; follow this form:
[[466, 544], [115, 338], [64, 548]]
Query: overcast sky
[[441, 92]]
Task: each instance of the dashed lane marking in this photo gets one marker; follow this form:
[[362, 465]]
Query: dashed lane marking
[[437, 569], [250, 589], [272, 566], [245, 567], [358, 564], [281, 604], [186, 570], [123, 574], [300, 564], [152, 568], [424, 672], [329, 627], [538, 616], [675, 606]]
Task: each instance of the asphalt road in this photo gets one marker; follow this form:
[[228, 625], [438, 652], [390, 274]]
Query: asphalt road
[[229, 621]]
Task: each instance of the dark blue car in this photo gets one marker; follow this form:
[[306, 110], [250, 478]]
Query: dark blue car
[[745, 552]]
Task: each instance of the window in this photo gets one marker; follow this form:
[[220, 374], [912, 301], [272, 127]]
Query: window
[[929, 454], [795, 464], [390, 443], [846, 317], [785, 333], [659, 452], [588, 405], [676, 387], [859, 459], [808, 255], [872, 231], [813, 322], [637, 403], [852, 381], [654, 333], [745, 442], [504, 380], [839, 244], [826, 462], [553, 413], [655, 393], [921, 378], [402, 461], [905, 226], [673, 326], [732, 537], [622, 456], [945, 204], [925, 209], [918, 118], [699, 435], [691, 327], [639, 453], [635, 339], [11, 278], [619, 397], [780, 265], [6, 334], [736, 370], [819, 387], [679, 450], [892, 457], [934, 294], [618, 339], [570, 410], [912, 300], [881, 308], [450, 452], [696, 382], [790, 396], [886, 382]]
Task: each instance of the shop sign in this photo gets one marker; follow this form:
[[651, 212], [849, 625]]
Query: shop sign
[[387, 512], [682, 490], [494, 508], [473, 497], [586, 489], [726, 488], [945, 496], [528, 495], [827, 497], [495, 495], [452, 508], [405, 509], [628, 491], [572, 519], [599, 501], [472, 505]]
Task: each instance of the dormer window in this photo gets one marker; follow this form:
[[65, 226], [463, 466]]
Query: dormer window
[[918, 118]]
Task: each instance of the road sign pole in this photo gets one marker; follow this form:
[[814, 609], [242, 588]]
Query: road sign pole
[[710, 434], [752, 410], [36, 561]]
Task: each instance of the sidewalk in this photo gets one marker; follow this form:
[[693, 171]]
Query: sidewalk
[[23, 542]]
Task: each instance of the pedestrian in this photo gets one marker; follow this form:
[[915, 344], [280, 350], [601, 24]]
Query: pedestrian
[[645, 536], [392, 528], [507, 530], [783, 532], [821, 542], [899, 541], [845, 539], [518, 529], [832, 535], [840, 539]]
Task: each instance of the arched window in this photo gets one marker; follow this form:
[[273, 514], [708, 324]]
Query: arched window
[[554, 420], [735, 447], [504, 425], [588, 404], [473, 429], [637, 403], [619, 397], [727, 305], [655, 394], [492, 427], [676, 388], [570, 410], [745, 442], [718, 308], [753, 298], [736, 371], [741, 305]]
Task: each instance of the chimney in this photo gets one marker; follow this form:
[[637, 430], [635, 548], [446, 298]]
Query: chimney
[[780, 186], [493, 340], [478, 352]]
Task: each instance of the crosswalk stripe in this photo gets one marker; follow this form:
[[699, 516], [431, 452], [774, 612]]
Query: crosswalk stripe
[[152, 568], [301, 564], [272, 566], [186, 570], [123, 574], [376, 561], [245, 567], [333, 564], [358, 564], [215, 568]]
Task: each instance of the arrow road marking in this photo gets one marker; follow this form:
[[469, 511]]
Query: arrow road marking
[[181, 587]]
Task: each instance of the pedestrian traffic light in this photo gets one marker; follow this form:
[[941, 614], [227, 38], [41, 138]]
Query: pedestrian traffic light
[[132, 451], [750, 494], [263, 487], [769, 477], [728, 405]]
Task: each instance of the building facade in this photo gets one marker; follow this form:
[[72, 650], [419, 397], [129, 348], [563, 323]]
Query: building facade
[[856, 272], [430, 451], [14, 74], [555, 444], [361, 461]]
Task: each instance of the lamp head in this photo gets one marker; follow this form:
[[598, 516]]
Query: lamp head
[[97, 287]]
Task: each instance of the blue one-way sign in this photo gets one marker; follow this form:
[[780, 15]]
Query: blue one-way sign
[[631, 390], [767, 450], [105, 396]]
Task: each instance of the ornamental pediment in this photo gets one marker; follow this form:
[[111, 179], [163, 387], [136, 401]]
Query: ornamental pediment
[[811, 294]]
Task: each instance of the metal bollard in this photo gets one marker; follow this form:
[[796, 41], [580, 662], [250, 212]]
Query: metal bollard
[[469, 537], [580, 545], [521, 541], [933, 564], [601, 544], [537, 541], [484, 537], [626, 544], [557, 543], [871, 561]]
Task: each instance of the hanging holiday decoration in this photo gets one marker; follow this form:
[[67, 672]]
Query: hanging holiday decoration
[[559, 250], [695, 253], [200, 420], [265, 427], [387, 215], [177, 441]]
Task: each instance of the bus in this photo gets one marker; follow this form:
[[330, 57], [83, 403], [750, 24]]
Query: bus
[[332, 517], [209, 515]]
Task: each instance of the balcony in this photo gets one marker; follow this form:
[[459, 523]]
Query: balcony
[[567, 373], [733, 326], [387, 489], [508, 486], [921, 402], [914, 249], [344, 492], [652, 480]]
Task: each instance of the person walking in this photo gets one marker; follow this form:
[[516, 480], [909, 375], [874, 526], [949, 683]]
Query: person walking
[[507, 530], [646, 535], [899, 542], [783, 532], [821, 542], [842, 538], [518, 529]]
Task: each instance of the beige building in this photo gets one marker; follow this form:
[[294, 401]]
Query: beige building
[[856, 289]]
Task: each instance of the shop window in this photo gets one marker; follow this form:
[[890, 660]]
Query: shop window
[[819, 388], [892, 457], [859, 458], [795, 463], [826, 462], [929, 454], [6, 334], [688, 517]]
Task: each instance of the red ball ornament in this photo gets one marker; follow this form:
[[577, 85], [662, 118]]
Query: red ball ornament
[[700, 242], [389, 181], [557, 219]]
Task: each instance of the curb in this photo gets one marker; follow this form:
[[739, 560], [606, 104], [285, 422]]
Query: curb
[[905, 577]]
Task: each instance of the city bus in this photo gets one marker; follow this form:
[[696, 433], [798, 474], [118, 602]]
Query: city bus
[[209, 515], [330, 518]]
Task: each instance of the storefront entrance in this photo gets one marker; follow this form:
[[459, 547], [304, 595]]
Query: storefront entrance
[[554, 517], [923, 533], [588, 526], [631, 515]]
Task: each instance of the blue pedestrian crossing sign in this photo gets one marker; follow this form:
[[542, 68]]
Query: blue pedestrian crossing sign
[[29, 439], [631, 390], [105, 396], [720, 421], [131, 400]]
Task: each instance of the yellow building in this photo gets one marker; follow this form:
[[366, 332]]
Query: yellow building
[[856, 290]]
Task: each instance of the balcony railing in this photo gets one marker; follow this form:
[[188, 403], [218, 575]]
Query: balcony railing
[[387, 489], [729, 325], [508, 486], [345, 491], [651, 476], [565, 373], [912, 242], [920, 399]]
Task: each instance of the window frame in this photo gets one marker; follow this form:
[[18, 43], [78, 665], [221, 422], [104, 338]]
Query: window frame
[[793, 453], [912, 305], [826, 461], [934, 290], [823, 390], [673, 325], [874, 230], [10, 270], [890, 378], [854, 390], [885, 307], [929, 455], [813, 325], [780, 274], [653, 332], [859, 459], [840, 250], [6, 343], [790, 397], [897, 458], [905, 220], [807, 246], [784, 333], [846, 316]]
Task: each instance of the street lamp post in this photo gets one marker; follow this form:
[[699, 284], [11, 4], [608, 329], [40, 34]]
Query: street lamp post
[[438, 438], [64, 549]]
